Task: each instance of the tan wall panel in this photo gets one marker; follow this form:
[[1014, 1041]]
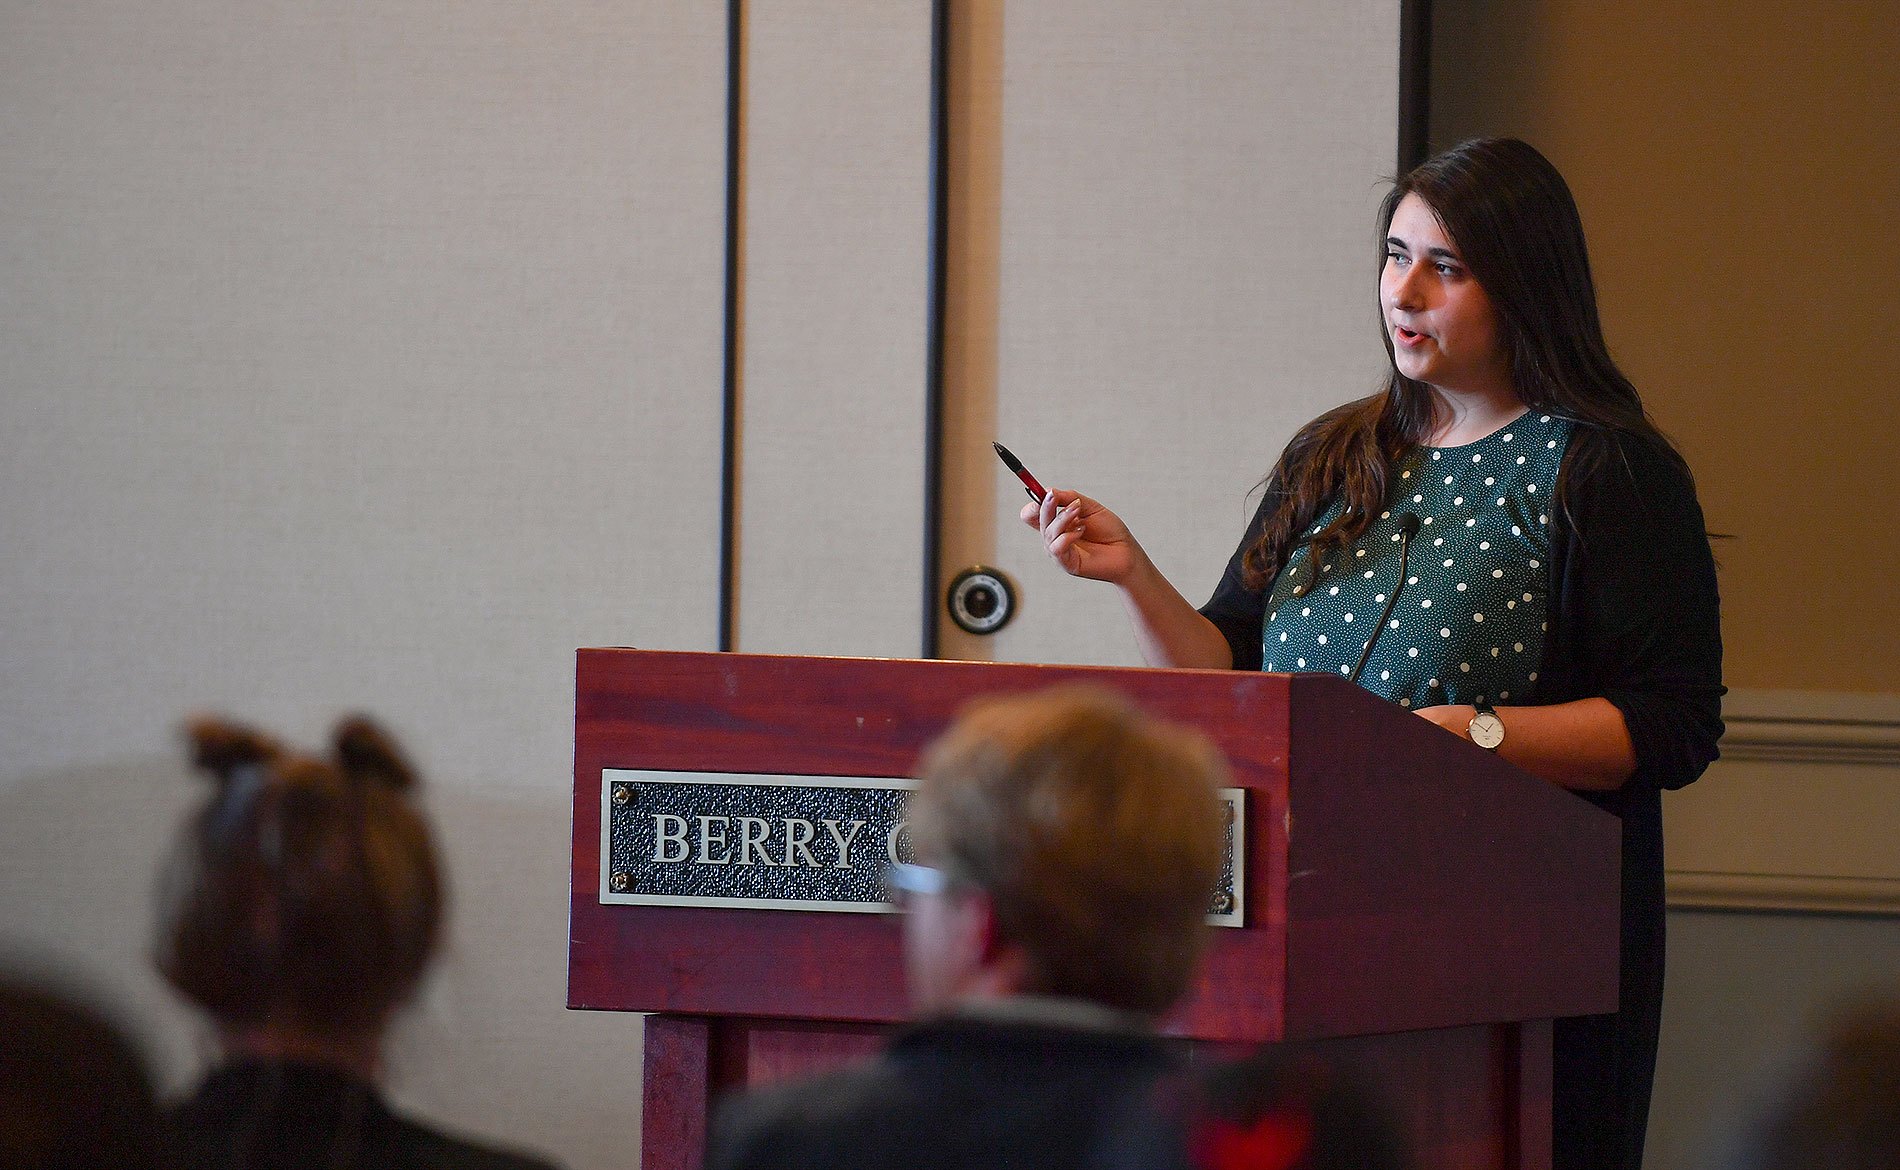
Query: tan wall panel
[[1730, 161], [836, 286]]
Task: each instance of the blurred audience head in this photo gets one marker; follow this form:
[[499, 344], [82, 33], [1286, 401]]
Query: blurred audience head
[[1076, 843], [305, 897], [73, 1092], [1838, 1108]]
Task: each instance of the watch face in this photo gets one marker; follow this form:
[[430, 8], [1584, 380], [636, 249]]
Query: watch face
[[1487, 731]]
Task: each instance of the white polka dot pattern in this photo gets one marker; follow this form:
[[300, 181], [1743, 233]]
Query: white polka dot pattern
[[1473, 619]]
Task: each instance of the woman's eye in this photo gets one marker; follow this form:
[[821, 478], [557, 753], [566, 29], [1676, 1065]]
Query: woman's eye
[[1447, 269]]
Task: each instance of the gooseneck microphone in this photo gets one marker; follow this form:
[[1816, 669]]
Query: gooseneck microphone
[[1408, 528]]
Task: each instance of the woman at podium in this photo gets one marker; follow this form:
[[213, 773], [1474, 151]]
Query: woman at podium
[[1499, 540]]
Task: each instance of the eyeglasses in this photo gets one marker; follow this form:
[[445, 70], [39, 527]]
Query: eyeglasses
[[908, 879]]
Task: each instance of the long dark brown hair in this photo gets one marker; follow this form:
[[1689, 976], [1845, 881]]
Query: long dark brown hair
[[1513, 222]]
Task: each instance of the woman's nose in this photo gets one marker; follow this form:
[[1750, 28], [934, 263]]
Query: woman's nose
[[1405, 294]]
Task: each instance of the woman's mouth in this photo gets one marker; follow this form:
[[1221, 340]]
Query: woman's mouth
[[1408, 337]]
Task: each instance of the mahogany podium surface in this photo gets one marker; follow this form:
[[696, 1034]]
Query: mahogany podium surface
[[1411, 901]]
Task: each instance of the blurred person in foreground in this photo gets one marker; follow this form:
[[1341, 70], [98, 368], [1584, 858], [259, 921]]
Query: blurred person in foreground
[[1838, 1106], [74, 1092], [303, 905], [1068, 847], [1285, 1107]]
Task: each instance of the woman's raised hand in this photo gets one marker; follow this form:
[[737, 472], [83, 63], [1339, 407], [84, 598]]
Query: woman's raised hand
[[1086, 539]]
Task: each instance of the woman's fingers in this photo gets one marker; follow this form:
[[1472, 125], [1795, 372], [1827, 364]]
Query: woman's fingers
[[1062, 519], [1066, 524], [1056, 508]]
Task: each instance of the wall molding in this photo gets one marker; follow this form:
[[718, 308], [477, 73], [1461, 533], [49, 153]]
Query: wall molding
[[1783, 892], [1812, 727], [1812, 741], [1746, 704], [1783, 752]]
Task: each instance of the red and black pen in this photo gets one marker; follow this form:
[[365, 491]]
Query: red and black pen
[[1036, 491]]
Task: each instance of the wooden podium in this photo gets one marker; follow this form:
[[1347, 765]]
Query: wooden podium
[[1412, 902]]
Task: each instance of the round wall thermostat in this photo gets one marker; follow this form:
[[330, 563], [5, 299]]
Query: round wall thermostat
[[981, 600]]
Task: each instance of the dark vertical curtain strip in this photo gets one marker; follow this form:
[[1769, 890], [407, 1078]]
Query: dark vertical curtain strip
[[729, 453], [1415, 77], [934, 334]]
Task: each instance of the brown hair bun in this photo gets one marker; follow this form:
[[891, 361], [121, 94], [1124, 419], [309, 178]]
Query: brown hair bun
[[222, 748], [306, 892], [366, 753]]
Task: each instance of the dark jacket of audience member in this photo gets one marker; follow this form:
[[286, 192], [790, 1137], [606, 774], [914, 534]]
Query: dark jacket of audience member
[[303, 906], [1071, 847], [1286, 1107], [74, 1094]]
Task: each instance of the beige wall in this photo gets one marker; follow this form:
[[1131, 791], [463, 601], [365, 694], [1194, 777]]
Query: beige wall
[[346, 352], [1735, 168], [835, 310]]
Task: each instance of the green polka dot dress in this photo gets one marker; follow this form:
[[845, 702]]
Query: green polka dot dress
[[1469, 621]]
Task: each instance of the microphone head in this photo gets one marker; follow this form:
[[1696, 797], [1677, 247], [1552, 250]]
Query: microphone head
[[1409, 523]]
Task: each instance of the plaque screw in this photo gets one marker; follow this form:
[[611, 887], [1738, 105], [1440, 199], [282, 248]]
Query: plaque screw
[[1223, 902], [623, 794], [619, 882]]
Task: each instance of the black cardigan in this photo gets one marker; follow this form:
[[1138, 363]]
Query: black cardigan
[[1635, 619]]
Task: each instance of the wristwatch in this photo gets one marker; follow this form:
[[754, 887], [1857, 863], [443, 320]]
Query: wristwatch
[[1486, 730]]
